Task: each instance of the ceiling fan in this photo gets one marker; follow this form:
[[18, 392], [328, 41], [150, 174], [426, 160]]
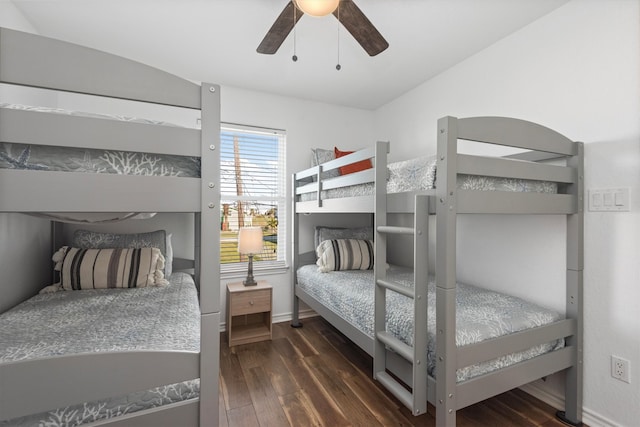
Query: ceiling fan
[[345, 11]]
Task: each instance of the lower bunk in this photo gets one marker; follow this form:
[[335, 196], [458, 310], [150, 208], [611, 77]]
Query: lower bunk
[[503, 342], [103, 355]]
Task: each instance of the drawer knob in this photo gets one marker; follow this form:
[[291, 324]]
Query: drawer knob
[[250, 302]]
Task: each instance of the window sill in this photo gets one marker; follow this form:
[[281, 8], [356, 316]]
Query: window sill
[[242, 273]]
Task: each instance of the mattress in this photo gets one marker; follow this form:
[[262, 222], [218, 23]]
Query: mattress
[[420, 174], [480, 314], [69, 159], [70, 322]]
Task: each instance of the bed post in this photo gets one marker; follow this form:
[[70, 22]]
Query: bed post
[[446, 209], [57, 240], [420, 303], [209, 220], [197, 233], [574, 309], [295, 317], [380, 259]]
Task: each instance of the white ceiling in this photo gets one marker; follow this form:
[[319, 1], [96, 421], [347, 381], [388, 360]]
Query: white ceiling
[[216, 40]]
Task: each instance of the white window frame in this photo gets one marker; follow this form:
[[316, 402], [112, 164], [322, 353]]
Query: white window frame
[[239, 269]]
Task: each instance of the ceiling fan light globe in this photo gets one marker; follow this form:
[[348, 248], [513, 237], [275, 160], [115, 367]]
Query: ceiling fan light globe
[[317, 7]]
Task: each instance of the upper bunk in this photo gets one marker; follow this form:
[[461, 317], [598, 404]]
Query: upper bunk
[[40, 62], [543, 176]]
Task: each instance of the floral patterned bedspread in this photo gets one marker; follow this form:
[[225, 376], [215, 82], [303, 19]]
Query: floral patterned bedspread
[[420, 174], [69, 159], [480, 314], [68, 322]]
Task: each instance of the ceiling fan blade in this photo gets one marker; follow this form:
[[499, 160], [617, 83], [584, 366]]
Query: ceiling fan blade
[[360, 27], [280, 29]]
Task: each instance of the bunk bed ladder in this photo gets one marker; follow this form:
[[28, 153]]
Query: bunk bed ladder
[[416, 398]]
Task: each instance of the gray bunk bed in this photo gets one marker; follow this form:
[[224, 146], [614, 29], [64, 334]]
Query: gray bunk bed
[[31, 385], [544, 156]]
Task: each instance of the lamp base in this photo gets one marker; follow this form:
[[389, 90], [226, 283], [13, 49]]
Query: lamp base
[[249, 282]]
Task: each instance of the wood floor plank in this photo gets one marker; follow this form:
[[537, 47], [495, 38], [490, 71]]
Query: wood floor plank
[[233, 383], [285, 348], [328, 352], [299, 340], [281, 378], [321, 400], [547, 409], [489, 416], [299, 410], [222, 409], [244, 416], [253, 355], [522, 407], [268, 358], [356, 412], [352, 353], [506, 412], [265, 401], [379, 404]]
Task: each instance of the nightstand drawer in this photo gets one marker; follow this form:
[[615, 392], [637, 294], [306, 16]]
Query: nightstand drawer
[[251, 302]]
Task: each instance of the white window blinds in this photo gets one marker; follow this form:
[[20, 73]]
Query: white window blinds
[[252, 185]]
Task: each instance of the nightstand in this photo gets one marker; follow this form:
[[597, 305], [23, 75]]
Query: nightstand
[[248, 312]]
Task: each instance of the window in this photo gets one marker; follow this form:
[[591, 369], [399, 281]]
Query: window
[[252, 185]]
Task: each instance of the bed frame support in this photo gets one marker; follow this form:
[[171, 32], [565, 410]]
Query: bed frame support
[[208, 248], [446, 230], [574, 305], [295, 316]]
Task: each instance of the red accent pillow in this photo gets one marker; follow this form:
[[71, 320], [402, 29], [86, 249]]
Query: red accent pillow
[[353, 167]]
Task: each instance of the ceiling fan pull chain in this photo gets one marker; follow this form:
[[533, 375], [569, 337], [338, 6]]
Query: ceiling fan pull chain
[[338, 66], [294, 57]]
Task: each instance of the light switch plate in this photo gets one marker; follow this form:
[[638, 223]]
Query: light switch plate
[[609, 200]]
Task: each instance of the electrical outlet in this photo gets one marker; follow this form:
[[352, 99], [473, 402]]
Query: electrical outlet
[[620, 369]]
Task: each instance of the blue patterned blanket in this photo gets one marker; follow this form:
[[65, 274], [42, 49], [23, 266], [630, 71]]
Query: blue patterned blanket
[[70, 322], [480, 314]]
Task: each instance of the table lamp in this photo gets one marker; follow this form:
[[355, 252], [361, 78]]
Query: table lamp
[[250, 243]]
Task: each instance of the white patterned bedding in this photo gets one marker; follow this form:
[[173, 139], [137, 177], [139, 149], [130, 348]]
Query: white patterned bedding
[[420, 174], [480, 314], [69, 322], [69, 159]]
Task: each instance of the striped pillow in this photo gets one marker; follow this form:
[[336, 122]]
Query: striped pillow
[[109, 268], [345, 254]]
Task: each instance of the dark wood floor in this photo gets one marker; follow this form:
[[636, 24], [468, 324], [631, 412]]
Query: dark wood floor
[[314, 376]]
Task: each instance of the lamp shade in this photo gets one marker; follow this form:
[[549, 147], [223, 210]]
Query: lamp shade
[[317, 7], [250, 240]]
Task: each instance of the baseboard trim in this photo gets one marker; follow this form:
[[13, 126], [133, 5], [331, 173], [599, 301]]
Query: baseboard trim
[[304, 314], [589, 417]]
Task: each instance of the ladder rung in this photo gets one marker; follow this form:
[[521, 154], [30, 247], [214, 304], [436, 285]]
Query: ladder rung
[[396, 389], [390, 229], [403, 290], [396, 345]]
